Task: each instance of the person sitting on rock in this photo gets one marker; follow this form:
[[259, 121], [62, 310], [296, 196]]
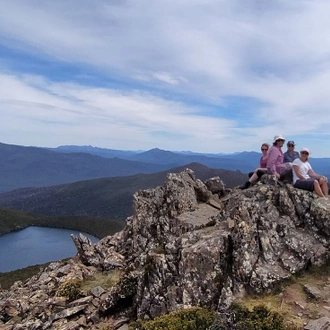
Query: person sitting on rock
[[262, 169], [305, 178], [275, 158], [290, 155]]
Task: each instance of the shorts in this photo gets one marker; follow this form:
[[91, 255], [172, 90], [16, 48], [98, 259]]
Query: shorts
[[260, 173], [305, 184]]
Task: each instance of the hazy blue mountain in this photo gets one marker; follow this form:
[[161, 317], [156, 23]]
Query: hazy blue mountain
[[244, 161], [230, 162], [102, 152], [125, 154], [38, 167]]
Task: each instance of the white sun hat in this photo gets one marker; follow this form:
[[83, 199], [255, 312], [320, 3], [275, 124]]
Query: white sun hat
[[278, 137], [305, 149]]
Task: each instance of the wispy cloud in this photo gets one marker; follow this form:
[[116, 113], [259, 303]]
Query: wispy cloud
[[217, 76]]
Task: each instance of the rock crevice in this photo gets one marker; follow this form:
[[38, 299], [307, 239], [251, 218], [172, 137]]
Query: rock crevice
[[178, 251]]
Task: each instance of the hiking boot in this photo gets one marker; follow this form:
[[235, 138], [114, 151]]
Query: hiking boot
[[246, 185]]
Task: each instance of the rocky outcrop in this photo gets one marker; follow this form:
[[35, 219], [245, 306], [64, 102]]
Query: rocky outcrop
[[187, 244]]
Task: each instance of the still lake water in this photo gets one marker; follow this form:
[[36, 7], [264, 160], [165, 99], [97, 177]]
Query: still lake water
[[36, 245]]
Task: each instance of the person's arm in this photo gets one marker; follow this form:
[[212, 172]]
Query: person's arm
[[297, 171], [271, 162], [312, 174]]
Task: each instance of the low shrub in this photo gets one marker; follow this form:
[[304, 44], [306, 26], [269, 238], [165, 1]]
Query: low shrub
[[260, 318], [69, 290], [187, 319]]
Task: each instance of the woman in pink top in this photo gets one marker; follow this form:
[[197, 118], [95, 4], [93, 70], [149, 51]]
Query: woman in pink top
[[275, 158], [258, 172]]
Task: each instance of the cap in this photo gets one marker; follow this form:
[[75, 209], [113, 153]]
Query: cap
[[278, 137], [291, 142], [305, 149]]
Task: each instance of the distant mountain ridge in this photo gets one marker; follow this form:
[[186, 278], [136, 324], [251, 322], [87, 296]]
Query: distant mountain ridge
[[125, 154], [245, 161], [39, 167], [106, 197], [102, 152]]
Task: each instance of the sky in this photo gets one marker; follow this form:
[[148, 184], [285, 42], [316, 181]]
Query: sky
[[199, 75]]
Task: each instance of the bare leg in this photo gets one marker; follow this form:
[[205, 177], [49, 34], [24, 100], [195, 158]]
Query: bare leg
[[324, 186], [318, 189], [254, 177]]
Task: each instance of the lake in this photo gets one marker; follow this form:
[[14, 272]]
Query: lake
[[36, 245]]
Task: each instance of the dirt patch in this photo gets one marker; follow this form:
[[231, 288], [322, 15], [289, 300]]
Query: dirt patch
[[302, 299]]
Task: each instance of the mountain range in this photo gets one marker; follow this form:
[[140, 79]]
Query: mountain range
[[38, 167], [95, 182], [110, 197]]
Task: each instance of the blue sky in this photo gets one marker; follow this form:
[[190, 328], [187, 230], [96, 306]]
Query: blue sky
[[205, 76]]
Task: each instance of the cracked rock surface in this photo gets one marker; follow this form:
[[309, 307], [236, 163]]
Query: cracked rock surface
[[178, 251]]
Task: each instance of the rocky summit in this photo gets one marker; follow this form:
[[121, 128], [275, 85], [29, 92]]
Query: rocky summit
[[188, 244]]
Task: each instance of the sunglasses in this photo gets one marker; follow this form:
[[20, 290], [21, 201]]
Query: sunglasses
[[290, 145], [264, 149], [304, 153], [280, 140]]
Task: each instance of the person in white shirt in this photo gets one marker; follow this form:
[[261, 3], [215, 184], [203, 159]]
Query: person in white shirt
[[305, 178]]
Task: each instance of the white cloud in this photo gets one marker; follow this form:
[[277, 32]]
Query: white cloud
[[80, 112], [276, 53]]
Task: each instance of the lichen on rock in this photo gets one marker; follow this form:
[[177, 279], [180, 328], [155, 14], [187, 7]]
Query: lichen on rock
[[184, 246]]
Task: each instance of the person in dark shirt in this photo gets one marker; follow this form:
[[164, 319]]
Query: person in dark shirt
[[290, 155]]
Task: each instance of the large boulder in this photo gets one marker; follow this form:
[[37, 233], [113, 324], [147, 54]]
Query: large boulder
[[178, 251]]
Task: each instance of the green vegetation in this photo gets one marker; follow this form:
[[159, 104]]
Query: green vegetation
[[260, 318], [187, 319], [96, 226], [107, 198], [69, 290], [11, 220], [196, 318], [283, 298], [9, 278]]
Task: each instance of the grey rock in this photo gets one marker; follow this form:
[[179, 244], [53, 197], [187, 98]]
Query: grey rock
[[322, 323], [68, 312], [313, 292], [118, 324], [216, 186], [81, 301], [178, 251], [97, 291], [123, 327]]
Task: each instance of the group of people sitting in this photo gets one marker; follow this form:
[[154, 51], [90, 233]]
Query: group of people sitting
[[274, 161]]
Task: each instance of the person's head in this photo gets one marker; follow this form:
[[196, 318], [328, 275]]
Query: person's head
[[264, 148], [290, 145], [278, 140], [304, 154]]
